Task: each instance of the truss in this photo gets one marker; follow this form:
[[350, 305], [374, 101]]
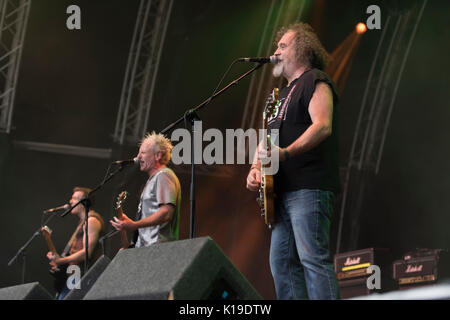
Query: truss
[[13, 24], [397, 36], [142, 68]]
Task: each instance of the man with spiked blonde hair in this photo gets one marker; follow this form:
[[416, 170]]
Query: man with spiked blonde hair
[[159, 208]]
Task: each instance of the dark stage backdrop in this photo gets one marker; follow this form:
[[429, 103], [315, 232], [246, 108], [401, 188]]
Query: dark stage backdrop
[[69, 90]]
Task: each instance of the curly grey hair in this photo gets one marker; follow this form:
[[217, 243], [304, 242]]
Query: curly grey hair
[[309, 51]]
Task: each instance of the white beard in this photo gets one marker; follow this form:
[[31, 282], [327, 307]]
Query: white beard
[[277, 70]]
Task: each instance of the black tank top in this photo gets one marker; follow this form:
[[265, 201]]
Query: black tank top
[[317, 168]]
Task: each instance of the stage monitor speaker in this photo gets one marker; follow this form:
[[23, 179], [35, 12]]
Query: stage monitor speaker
[[186, 269], [28, 291], [88, 280]]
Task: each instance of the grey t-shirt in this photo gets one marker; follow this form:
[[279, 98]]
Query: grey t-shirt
[[162, 188]]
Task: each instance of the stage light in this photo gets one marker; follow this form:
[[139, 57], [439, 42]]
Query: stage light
[[361, 28]]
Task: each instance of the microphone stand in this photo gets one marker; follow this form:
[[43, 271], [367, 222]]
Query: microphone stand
[[87, 203], [191, 115], [22, 251], [106, 237]]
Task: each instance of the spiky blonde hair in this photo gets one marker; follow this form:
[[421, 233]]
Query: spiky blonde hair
[[160, 144]]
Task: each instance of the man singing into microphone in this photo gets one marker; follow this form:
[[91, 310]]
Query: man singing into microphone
[[308, 176], [74, 253], [159, 209]]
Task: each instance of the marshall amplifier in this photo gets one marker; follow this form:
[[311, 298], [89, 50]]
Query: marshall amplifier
[[354, 288], [351, 271], [421, 267], [354, 264]]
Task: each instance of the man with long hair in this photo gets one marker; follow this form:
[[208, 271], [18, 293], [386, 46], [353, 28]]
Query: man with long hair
[[308, 176]]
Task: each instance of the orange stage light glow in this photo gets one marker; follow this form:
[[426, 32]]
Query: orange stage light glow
[[361, 28]]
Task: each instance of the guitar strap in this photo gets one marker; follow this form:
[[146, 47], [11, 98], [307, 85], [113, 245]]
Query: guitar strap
[[139, 212], [275, 122], [71, 240], [281, 115], [136, 232], [139, 215]]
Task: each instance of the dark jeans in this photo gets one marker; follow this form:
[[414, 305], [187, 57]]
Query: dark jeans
[[299, 251], [64, 292]]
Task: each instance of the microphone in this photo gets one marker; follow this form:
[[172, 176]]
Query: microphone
[[271, 59], [63, 207], [126, 162]]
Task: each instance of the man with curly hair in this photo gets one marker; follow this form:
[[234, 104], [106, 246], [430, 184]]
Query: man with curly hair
[[159, 208], [308, 177]]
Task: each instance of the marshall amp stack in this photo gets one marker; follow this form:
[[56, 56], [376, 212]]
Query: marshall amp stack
[[422, 267], [352, 271]]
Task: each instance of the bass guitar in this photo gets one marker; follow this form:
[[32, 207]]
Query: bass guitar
[[58, 272]]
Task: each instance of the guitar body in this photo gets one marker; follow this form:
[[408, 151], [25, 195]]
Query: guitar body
[[60, 276], [269, 197]]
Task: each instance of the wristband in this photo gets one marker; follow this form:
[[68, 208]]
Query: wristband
[[286, 154]]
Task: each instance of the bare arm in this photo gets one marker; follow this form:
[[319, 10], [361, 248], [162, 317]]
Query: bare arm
[[94, 227], [321, 112], [164, 214]]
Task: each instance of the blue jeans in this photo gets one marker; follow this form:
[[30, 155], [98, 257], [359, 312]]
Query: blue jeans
[[64, 292], [299, 250]]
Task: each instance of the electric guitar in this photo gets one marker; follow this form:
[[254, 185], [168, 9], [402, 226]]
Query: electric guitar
[[266, 191], [60, 272], [123, 233]]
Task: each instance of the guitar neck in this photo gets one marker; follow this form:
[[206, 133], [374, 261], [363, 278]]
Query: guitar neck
[[123, 233], [265, 141], [49, 242], [119, 213]]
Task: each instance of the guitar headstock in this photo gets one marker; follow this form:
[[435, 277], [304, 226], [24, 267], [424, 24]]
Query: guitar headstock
[[271, 102], [121, 199], [46, 231]]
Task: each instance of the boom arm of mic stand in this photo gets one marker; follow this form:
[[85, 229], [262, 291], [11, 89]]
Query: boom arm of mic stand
[[192, 114], [106, 237], [218, 93], [94, 190]]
